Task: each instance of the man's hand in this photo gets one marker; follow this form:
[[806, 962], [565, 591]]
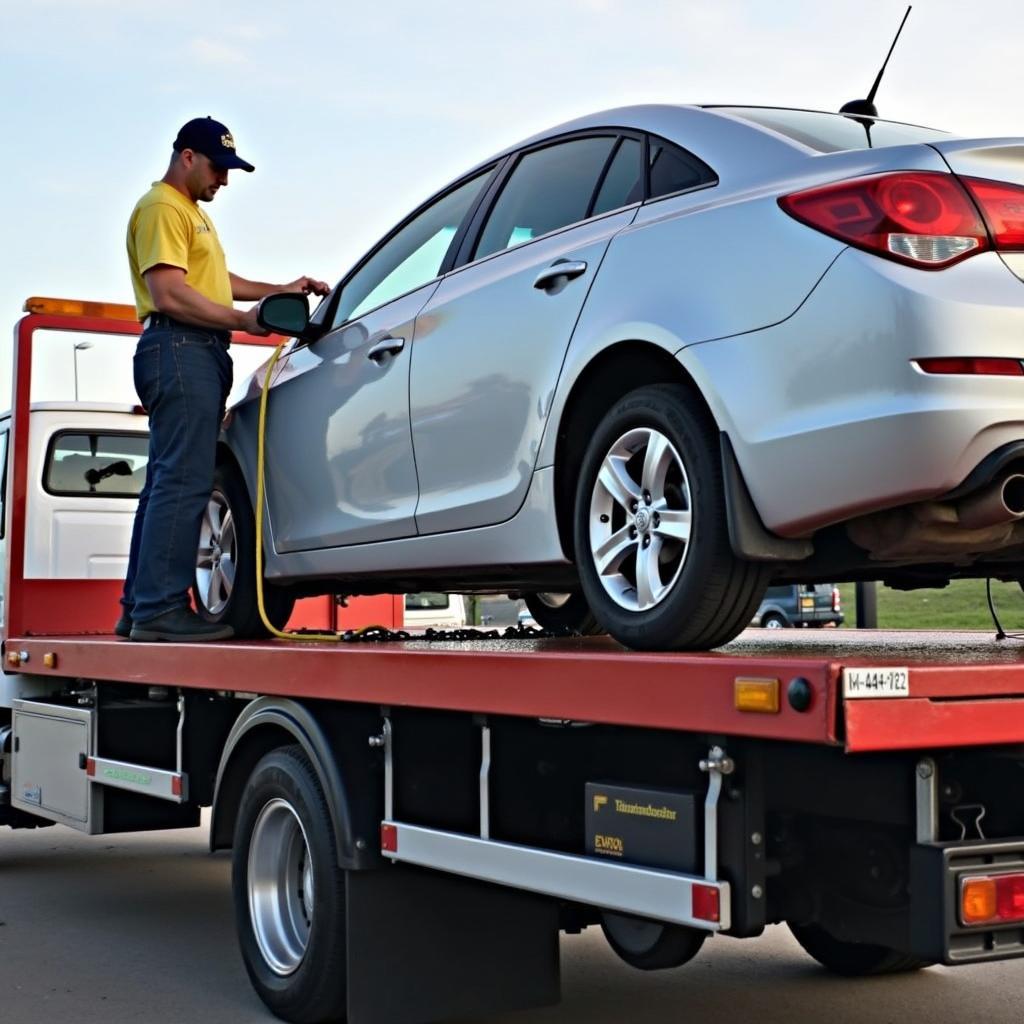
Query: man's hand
[[307, 286], [249, 323]]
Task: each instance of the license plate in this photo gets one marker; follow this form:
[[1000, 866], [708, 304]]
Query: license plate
[[875, 682], [807, 603]]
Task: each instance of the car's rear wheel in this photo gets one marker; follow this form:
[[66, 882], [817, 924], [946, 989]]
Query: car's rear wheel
[[224, 586], [774, 621], [652, 545], [562, 613]]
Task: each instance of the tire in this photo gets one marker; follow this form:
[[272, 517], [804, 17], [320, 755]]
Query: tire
[[853, 959], [562, 613], [227, 537], [293, 946], [710, 595], [651, 945], [774, 621]]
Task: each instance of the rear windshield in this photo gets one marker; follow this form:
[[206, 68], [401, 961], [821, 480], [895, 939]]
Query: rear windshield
[[831, 133]]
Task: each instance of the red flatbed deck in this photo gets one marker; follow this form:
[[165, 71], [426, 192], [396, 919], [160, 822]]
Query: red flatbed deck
[[965, 689]]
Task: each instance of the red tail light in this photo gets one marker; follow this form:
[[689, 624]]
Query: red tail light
[[1002, 206], [921, 218], [836, 604]]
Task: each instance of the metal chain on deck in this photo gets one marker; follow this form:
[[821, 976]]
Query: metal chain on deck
[[382, 635]]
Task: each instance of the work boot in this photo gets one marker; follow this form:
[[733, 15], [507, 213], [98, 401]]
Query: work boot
[[181, 625], [123, 626]]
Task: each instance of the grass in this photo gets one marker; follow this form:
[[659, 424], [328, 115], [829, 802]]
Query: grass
[[961, 605]]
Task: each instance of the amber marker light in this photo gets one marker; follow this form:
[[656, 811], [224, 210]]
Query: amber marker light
[[760, 696], [77, 307], [978, 900]]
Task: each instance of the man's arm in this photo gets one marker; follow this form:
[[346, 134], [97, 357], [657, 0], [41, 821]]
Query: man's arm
[[173, 296], [245, 290]]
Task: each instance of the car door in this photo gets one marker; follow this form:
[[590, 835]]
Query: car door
[[338, 416], [491, 340]]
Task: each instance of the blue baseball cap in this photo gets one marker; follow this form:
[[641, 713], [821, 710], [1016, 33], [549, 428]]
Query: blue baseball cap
[[212, 139]]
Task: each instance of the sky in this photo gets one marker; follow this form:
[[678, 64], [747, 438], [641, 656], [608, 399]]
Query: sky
[[355, 113]]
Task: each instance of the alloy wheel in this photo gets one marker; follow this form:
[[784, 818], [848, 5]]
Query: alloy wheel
[[216, 558], [640, 519]]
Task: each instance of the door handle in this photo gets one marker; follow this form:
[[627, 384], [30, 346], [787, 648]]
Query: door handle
[[387, 347], [564, 268]]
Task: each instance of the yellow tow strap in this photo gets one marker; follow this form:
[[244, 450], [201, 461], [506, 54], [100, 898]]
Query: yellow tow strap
[[260, 490]]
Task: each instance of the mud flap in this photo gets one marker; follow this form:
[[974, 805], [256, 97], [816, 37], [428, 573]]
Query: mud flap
[[426, 946]]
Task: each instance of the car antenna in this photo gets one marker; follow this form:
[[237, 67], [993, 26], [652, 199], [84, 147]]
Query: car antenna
[[867, 108]]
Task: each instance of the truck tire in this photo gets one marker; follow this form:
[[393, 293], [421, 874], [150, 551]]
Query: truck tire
[[650, 945], [650, 531], [853, 959], [562, 613], [773, 620], [289, 893], [224, 585]]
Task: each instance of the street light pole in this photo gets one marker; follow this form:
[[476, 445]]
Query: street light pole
[[80, 345]]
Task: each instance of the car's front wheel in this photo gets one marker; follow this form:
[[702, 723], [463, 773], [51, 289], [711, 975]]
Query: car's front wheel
[[224, 586], [651, 540]]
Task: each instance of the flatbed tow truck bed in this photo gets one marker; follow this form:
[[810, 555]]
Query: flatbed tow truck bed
[[963, 689]]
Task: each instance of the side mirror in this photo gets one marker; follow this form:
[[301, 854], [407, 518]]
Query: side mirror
[[284, 313]]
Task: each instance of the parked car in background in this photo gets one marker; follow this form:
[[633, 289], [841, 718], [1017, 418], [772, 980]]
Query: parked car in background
[[654, 360], [803, 604]]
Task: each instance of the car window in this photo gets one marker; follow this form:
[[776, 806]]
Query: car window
[[777, 593], [624, 181], [426, 600], [410, 258], [674, 170], [97, 465], [548, 189]]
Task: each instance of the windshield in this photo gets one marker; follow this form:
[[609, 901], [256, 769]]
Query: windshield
[[832, 133]]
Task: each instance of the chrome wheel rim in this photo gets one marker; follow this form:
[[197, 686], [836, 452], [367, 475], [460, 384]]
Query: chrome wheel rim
[[216, 558], [280, 887], [773, 624], [640, 519]]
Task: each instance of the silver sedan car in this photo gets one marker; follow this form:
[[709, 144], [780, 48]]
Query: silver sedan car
[[642, 365]]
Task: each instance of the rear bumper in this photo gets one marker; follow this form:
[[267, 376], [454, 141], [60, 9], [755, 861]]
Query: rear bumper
[[936, 871], [826, 411]]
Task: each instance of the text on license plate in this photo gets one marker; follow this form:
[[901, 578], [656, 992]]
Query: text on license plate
[[875, 682]]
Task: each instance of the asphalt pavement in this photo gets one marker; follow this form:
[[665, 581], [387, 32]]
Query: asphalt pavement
[[114, 929]]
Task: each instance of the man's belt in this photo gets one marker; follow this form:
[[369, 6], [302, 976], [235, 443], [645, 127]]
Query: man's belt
[[161, 320]]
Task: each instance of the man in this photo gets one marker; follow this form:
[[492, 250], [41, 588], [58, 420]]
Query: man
[[183, 296]]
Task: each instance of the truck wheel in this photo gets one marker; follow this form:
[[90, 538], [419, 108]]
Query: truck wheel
[[853, 959], [650, 945], [774, 621], [224, 586], [289, 892], [651, 540], [562, 613]]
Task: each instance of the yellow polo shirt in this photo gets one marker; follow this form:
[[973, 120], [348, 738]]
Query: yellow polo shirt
[[168, 228]]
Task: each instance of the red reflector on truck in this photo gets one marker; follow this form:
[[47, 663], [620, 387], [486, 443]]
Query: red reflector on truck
[[992, 899], [388, 839], [706, 905], [90, 766], [980, 366]]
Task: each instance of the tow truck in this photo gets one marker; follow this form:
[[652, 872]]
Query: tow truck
[[412, 822]]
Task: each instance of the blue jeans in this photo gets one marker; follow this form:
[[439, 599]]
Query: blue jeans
[[182, 377]]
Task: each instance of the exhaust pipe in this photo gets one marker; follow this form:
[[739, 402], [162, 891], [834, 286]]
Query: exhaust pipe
[[999, 503]]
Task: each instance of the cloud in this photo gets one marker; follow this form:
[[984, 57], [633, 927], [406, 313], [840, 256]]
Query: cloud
[[210, 51]]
